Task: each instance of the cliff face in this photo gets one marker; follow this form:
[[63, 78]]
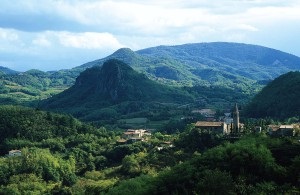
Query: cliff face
[[107, 81], [113, 83]]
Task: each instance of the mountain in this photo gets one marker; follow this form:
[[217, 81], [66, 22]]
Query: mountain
[[7, 70], [242, 68], [279, 99], [230, 65], [114, 83]]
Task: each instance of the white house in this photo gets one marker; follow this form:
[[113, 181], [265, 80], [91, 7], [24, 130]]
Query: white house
[[15, 153]]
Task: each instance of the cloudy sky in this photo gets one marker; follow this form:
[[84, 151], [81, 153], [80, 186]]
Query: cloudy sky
[[59, 34]]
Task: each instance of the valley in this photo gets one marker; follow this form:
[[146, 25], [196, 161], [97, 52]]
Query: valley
[[212, 118]]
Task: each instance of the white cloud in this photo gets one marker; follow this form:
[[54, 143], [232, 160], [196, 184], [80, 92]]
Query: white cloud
[[88, 40], [8, 35], [87, 26], [42, 41]]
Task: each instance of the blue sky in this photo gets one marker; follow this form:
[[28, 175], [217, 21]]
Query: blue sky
[[60, 34]]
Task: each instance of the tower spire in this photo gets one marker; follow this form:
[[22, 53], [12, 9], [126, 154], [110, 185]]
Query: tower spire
[[236, 119]]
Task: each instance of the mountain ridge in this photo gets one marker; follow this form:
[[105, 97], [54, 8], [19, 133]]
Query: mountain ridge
[[234, 66], [197, 54]]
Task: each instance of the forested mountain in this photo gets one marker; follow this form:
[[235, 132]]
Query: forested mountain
[[230, 65], [279, 99], [114, 83]]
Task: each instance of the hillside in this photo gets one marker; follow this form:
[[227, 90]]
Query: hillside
[[114, 83], [230, 65], [279, 99], [22, 88], [7, 70], [60, 155]]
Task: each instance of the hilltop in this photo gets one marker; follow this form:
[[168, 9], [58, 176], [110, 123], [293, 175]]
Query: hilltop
[[114, 83], [279, 99]]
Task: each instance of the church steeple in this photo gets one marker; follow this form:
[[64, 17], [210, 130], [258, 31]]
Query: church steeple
[[236, 119]]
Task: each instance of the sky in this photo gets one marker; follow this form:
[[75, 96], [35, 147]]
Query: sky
[[61, 34]]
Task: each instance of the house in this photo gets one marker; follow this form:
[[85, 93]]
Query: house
[[15, 153], [133, 135], [206, 112], [287, 130], [121, 141], [281, 130], [216, 127], [165, 145]]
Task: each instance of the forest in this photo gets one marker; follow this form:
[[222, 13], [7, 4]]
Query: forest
[[61, 155]]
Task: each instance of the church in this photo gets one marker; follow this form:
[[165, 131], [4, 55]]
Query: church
[[229, 125]]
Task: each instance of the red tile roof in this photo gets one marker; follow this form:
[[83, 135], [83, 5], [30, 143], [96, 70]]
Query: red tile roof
[[208, 124]]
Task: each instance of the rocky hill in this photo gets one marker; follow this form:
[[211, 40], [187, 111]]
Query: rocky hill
[[111, 84]]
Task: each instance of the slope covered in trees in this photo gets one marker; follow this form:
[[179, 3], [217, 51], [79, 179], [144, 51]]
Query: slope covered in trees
[[61, 155], [115, 83], [279, 99]]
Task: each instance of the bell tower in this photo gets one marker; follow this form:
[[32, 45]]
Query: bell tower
[[236, 120]]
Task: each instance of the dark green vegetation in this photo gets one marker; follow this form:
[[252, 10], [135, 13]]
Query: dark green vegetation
[[279, 99], [61, 155], [55, 150], [115, 91]]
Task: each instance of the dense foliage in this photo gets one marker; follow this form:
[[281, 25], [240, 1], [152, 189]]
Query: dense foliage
[[61, 155], [245, 167], [279, 99]]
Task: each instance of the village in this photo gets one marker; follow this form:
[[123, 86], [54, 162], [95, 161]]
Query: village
[[228, 126]]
